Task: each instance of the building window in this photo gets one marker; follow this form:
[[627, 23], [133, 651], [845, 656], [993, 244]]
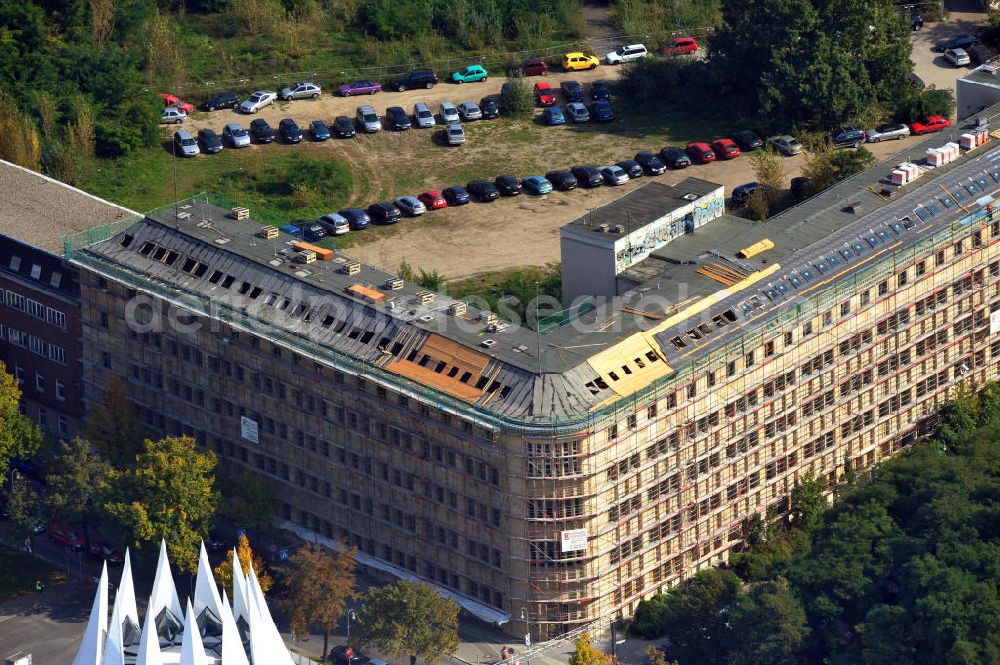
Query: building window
[[104, 319], [43, 418], [865, 298], [15, 300], [827, 318], [37, 345], [39, 382], [60, 391], [901, 279], [883, 287], [789, 338], [57, 354], [63, 426], [807, 329], [845, 308], [35, 309], [106, 359]]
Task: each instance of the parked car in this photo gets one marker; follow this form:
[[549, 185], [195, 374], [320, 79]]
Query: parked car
[[361, 87], [301, 90], [650, 163], [261, 131], [418, 78], [411, 206], [932, 123], [258, 100], [293, 230], [726, 148], [785, 144], [172, 116], [802, 187], [356, 217], [334, 223], [456, 196], [959, 41], [631, 167], [614, 175], [626, 54], [185, 145], [741, 194], [957, 57], [848, 137], [572, 91], [311, 229], [367, 119], [915, 80], [545, 95], [561, 180], [397, 118], [537, 184], [507, 185], [67, 536], [469, 74], [469, 111], [102, 549], [553, 116], [700, 152], [489, 107], [587, 176], [346, 655], [980, 54], [449, 113], [577, 112], [433, 200], [175, 101], [455, 134], [235, 135], [423, 115], [601, 110], [600, 90], [289, 131], [747, 140], [675, 157], [209, 141], [576, 61], [482, 191], [223, 100], [384, 212], [680, 46], [892, 130], [320, 132], [534, 67]]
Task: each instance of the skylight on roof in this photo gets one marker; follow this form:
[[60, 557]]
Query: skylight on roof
[[897, 227], [873, 241], [995, 175], [821, 267], [858, 248], [947, 202], [922, 214], [958, 194], [796, 282], [983, 183], [883, 235], [833, 260], [846, 254], [809, 275]]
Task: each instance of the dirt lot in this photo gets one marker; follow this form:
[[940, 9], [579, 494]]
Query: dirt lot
[[964, 17]]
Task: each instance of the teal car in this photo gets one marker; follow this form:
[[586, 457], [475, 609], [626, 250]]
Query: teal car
[[469, 74]]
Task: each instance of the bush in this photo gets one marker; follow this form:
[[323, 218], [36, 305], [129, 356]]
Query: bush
[[919, 103], [828, 168], [518, 102]]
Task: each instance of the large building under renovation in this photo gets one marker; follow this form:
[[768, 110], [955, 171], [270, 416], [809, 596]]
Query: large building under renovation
[[575, 467]]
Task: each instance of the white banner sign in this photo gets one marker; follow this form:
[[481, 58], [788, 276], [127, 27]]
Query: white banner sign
[[995, 322], [574, 540], [248, 429]]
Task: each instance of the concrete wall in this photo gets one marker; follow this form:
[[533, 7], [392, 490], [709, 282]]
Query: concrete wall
[[587, 268], [974, 96]]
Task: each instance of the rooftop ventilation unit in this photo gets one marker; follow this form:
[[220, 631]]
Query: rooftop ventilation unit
[[488, 343], [351, 268], [269, 232], [239, 213], [457, 308], [488, 317], [690, 196], [603, 228], [618, 228], [425, 297], [394, 284], [305, 256]]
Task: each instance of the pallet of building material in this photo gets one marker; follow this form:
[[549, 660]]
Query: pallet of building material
[[239, 213]]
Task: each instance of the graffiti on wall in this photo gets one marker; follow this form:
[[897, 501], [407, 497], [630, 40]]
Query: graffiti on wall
[[645, 241]]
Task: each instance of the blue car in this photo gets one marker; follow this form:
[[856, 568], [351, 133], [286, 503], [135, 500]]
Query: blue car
[[554, 116], [319, 130], [602, 111], [741, 195], [537, 184], [455, 196]]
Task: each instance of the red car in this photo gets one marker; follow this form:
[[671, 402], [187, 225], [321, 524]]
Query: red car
[[700, 153], [932, 123], [103, 550], [534, 67], [725, 148], [174, 100], [433, 200], [680, 46], [545, 95], [60, 534]]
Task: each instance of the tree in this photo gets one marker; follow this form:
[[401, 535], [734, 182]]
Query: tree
[[518, 101], [825, 169], [224, 571], [19, 141], [114, 428], [319, 586], [586, 654], [23, 506], [102, 21], [169, 493], [409, 619], [769, 626], [256, 17], [19, 437], [808, 503], [248, 499], [77, 483], [769, 169]]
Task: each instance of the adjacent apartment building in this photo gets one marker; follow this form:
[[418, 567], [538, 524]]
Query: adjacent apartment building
[[551, 476]]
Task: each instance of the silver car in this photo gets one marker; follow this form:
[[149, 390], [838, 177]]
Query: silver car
[[185, 145], [173, 116], [577, 112], [449, 113], [303, 90], [235, 135], [957, 56], [410, 205], [422, 114], [469, 111], [455, 134], [258, 100], [613, 175], [894, 130], [368, 119], [785, 144]]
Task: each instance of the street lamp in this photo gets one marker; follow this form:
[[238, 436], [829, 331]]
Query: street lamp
[[350, 615]]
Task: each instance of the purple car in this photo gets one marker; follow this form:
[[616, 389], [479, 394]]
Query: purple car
[[360, 88]]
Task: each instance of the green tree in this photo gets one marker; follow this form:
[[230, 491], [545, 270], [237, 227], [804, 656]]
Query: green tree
[[585, 653], [319, 585], [808, 503], [114, 428], [247, 499], [23, 506], [170, 494], [77, 484], [518, 102], [19, 437], [409, 619], [769, 626], [828, 168]]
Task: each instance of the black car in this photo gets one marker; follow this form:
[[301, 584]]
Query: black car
[[397, 118], [225, 100], [418, 78], [209, 141], [650, 163], [344, 126], [848, 137], [588, 176], [489, 107], [456, 196], [345, 655], [742, 194], [356, 217], [261, 131], [319, 130], [482, 191], [385, 212], [572, 91], [980, 54], [631, 167], [675, 157], [289, 131], [508, 185], [600, 90], [802, 187], [960, 41], [561, 180], [746, 140]]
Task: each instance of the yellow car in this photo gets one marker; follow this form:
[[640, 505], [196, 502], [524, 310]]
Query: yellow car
[[575, 61]]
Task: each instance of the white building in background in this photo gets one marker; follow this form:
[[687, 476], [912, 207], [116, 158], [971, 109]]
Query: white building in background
[[207, 630]]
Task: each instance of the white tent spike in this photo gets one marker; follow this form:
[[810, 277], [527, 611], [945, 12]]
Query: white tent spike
[[232, 652], [260, 651], [280, 654], [206, 594], [192, 649], [126, 592], [149, 644], [114, 650], [241, 607], [164, 593], [92, 645]]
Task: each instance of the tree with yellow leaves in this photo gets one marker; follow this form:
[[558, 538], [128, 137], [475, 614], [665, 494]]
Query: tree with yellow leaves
[[587, 654], [224, 571]]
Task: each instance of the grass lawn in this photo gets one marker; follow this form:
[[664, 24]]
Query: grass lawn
[[18, 572]]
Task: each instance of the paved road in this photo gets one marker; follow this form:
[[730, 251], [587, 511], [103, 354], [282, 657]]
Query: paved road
[[964, 16]]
